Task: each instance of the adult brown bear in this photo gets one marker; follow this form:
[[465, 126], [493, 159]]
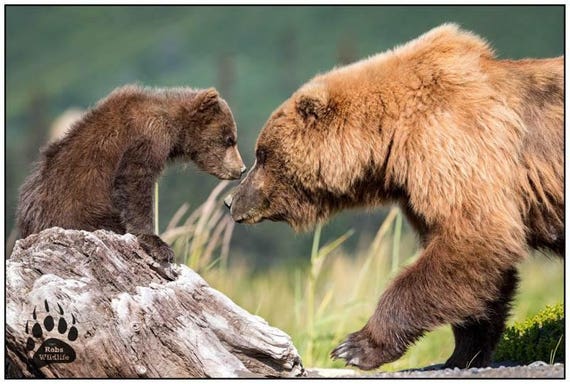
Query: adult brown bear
[[471, 148], [101, 174]]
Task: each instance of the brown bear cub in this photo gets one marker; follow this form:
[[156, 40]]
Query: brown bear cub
[[471, 147], [101, 174]]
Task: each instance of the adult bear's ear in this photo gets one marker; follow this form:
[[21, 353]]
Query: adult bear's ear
[[206, 99], [313, 101]]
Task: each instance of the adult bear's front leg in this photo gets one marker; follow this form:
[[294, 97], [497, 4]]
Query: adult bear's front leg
[[443, 286]]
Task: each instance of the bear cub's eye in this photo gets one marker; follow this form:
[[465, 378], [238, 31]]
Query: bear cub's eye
[[230, 141]]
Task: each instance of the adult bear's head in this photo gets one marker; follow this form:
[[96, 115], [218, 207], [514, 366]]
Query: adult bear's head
[[393, 126], [315, 156]]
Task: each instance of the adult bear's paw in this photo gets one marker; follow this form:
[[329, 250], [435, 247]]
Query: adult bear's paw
[[361, 351]]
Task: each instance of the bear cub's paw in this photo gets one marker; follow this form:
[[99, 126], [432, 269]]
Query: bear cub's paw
[[359, 350], [155, 247]]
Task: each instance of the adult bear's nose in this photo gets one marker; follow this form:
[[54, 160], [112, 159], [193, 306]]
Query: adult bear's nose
[[228, 200]]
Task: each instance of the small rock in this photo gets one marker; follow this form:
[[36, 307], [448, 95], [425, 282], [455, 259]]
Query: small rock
[[537, 364], [331, 372], [140, 369]]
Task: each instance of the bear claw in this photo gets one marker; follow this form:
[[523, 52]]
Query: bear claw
[[156, 248], [162, 253], [354, 361], [360, 351]]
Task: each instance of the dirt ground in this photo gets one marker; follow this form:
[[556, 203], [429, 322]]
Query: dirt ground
[[537, 370]]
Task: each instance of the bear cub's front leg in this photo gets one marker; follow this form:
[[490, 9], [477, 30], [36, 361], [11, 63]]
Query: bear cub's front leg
[[133, 197], [155, 247]]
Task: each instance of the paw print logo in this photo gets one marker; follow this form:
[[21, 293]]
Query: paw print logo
[[52, 349]]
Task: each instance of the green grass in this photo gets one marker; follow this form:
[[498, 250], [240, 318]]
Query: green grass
[[320, 302], [345, 296], [197, 237], [538, 338]]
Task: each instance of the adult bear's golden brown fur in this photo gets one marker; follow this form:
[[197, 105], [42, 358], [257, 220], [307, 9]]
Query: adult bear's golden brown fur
[[470, 146], [100, 175]]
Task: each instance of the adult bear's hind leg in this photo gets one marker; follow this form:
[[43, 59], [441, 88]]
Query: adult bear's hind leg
[[476, 339]]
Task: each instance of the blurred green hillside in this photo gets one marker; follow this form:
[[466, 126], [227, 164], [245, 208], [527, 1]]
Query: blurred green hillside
[[70, 56]]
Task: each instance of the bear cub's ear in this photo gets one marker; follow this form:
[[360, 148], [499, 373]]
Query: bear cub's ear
[[206, 99], [313, 101]]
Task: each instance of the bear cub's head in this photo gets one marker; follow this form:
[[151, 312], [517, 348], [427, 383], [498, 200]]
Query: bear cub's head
[[208, 135]]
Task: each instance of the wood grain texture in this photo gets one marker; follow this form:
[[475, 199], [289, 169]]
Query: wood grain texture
[[134, 318]]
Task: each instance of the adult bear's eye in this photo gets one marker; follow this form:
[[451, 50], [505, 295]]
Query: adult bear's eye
[[261, 156], [230, 141]]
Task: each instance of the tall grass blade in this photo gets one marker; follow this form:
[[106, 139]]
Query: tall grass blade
[[325, 302], [202, 231], [156, 208], [316, 240], [328, 248], [214, 240], [372, 254], [375, 246], [396, 242], [177, 216], [553, 352], [224, 253], [311, 294], [297, 296], [318, 256]]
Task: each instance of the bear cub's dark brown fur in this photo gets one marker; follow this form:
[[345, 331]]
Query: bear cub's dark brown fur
[[101, 174]]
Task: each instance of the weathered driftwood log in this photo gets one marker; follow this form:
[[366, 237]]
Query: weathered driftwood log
[[99, 306]]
